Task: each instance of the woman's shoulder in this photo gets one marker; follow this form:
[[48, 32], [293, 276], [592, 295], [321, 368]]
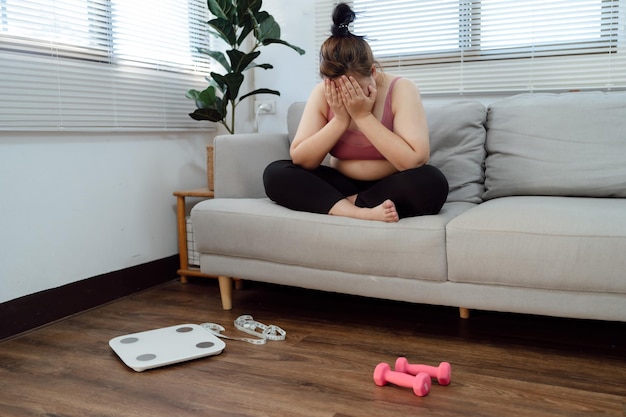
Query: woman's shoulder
[[399, 80], [317, 97], [404, 87], [398, 86], [405, 94], [317, 91], [316, 102]]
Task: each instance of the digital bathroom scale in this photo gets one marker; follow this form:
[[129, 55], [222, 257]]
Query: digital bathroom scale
[[166, 346]]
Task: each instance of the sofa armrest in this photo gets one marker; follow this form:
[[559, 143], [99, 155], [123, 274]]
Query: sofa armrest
[[240, 159]]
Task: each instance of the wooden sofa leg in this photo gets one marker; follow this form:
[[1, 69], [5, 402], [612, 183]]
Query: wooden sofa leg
[[226, 292], [464, 312]]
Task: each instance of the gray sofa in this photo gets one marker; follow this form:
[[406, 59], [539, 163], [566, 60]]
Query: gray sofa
[[535, 221]]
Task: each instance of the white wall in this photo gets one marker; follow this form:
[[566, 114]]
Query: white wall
[[77, 205], [293, 74]]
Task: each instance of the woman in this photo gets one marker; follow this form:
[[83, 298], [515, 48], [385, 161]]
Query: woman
[[374, 127]]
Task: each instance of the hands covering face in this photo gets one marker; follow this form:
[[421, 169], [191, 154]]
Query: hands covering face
[[335, 100], [346, 97]]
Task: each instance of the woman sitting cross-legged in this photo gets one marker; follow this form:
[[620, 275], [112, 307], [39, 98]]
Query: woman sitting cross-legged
[[374, 127]]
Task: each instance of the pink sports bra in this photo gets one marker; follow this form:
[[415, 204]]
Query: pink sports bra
[[353, 144]]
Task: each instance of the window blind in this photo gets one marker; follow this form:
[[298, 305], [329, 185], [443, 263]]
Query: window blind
[[496, 46], [100, 64]]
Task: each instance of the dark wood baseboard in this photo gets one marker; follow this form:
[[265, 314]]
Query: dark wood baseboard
[[35, 310]]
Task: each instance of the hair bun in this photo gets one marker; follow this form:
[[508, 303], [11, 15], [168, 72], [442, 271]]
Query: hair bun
[[342, 17]]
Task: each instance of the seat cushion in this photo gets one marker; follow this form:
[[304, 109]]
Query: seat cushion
[[558, 243], [260, 229]]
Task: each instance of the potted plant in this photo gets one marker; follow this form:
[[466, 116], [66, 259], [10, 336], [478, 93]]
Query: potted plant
[[234, 21]]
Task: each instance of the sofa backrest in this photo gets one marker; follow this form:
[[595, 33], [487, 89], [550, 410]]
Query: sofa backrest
[[457, 139], [568, 144], [294, 114]]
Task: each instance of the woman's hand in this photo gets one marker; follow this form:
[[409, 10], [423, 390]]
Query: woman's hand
[[357, 102], [335, 101]]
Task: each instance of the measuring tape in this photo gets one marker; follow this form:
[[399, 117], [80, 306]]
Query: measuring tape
[[248, 325]]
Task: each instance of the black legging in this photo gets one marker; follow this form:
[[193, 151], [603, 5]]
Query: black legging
[[415, 192]]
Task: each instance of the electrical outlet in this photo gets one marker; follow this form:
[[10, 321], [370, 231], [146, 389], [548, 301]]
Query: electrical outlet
[[265, 107]]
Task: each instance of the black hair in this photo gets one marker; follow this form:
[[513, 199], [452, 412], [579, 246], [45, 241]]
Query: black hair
[[343, 52], [343, 16]]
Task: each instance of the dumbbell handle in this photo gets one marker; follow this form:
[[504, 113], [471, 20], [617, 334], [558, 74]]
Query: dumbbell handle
[[442, 372], [401, 379], [420, 383]]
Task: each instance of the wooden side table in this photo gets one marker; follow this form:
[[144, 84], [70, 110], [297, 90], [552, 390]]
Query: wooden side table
[[181, 217]]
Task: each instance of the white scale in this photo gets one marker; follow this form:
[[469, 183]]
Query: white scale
[[165, 346], [184, 342]]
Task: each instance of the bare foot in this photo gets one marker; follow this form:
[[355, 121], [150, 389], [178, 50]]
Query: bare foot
[[384, 212]]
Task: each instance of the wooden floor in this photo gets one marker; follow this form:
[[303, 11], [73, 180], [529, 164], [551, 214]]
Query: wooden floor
[[502, 364]]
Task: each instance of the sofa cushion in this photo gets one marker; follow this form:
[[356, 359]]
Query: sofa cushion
[[570, 144], [457, 140], [262, 230], [555, 243]]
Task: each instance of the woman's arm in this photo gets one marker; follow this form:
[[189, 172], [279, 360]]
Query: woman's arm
[[316, 136], [408, 145]]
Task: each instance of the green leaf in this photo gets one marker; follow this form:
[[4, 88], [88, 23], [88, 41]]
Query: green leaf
[[268, 29], [282, 42], [192, 94], [221, 8], [245, 7], [204, 99], [225, 30], [260, 16], [232, 83], [247, 25], [214, 83], [260, 91], [240, 61], [218, 56], [255, 5], [220, 80], [221, 105], [263, 66], [215, 112], [208, 97], [213, 115]]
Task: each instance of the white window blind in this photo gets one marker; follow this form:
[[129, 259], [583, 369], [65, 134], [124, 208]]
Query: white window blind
[[100, 64], [495, 46]]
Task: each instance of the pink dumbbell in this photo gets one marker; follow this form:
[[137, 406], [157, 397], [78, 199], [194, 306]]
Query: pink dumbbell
[[420, 382], [443, 372]]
